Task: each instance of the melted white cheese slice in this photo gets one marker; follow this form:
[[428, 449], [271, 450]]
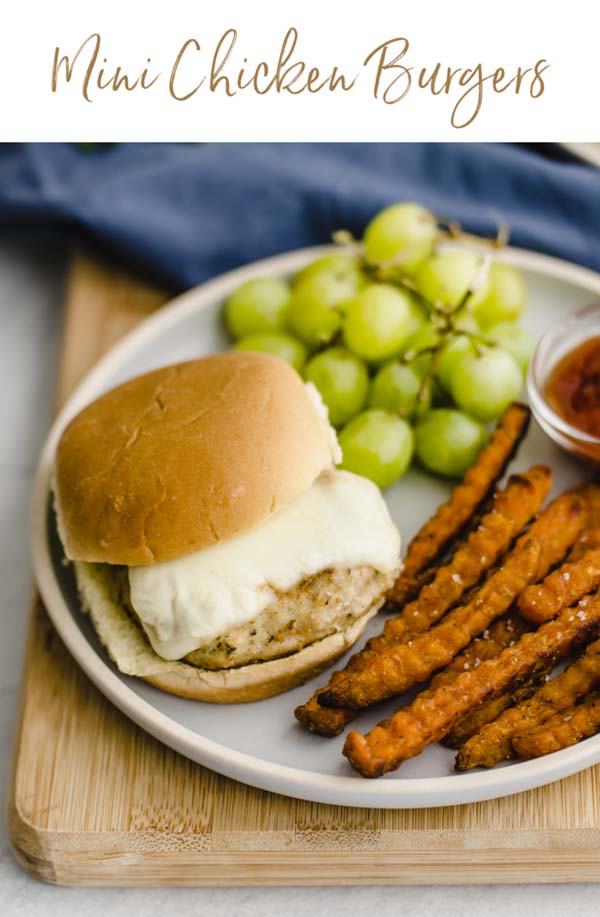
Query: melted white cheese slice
[[340, 521]]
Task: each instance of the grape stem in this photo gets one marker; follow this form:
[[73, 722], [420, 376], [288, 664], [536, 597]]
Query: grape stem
[[445, 317], [431, 371], [345, 238], [455, 232]]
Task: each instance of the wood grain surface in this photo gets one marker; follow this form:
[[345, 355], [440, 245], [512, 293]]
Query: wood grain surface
[[94, 800]]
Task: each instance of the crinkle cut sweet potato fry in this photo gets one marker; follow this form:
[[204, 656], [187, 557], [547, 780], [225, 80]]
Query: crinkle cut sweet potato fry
[[435, 537], [434, 711], [490, 710], [590, 536], [560, 731], [562, 587], [393, 671], [321, 720], [575, 578], [558, 590], [502, 633], [512, 508], [494, 742]]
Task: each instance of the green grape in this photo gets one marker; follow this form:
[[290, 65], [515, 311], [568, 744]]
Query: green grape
[[378, 322], [404, 233], [396, 388], [313, 323], [426, 337], [506, 296], [514, 340], [258, 305], [327, 287], [377, 445], [283, 346], [456, 345], [342, 380], [420, 365], [445, 278], [311, 314], [419, 317], [448, 442], [339, 267], [484, 384], [342, 308], [453, 350]]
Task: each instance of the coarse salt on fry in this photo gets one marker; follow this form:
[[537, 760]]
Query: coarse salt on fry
[[562, 587], [490, 710]]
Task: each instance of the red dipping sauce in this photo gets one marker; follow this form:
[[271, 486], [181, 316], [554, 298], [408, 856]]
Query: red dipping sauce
[[573, 387]]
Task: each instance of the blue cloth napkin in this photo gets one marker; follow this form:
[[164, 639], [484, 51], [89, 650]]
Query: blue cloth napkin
[[190, 211]]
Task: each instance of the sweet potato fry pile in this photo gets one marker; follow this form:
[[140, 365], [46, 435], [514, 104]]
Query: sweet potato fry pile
[[381, 675], [512, 508], [481, 631], [434, 711], [494, 742]]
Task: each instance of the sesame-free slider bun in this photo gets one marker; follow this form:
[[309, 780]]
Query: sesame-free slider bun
[[185, 456]]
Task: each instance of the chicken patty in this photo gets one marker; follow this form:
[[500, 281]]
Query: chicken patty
[[321, 605], [317, 607]]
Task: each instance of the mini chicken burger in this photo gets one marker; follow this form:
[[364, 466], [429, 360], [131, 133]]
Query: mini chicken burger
[[220, 554]]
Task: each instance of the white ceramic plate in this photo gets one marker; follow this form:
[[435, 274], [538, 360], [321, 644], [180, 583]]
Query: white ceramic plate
[[260, 743], [590, 152]]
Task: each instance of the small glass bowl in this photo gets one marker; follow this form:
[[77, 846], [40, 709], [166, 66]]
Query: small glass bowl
[[559, 340]]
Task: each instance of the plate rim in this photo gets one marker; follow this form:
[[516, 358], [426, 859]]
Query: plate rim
[[588, 152], [422, 792]]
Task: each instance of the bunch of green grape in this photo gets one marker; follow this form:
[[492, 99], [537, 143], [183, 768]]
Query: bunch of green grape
[[413, 345]]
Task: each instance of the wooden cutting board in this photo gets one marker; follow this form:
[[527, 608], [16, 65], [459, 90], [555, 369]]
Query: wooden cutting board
[[94, 800]]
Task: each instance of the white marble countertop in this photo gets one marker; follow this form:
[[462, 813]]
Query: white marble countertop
[[31, 278]]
